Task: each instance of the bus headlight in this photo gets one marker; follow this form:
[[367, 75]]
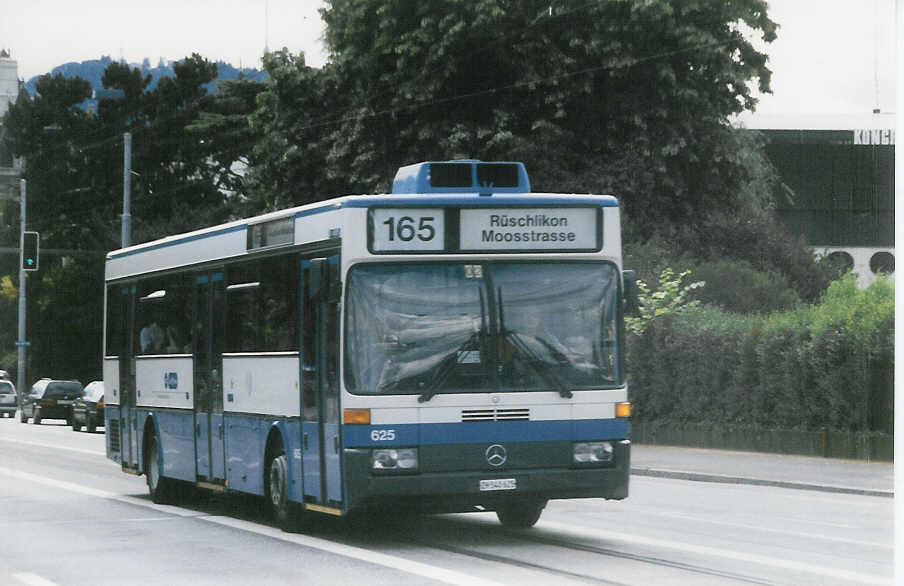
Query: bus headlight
[[590, 453], [394, 460]]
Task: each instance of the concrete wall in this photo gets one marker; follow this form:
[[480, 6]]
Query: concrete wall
[[865, 261]]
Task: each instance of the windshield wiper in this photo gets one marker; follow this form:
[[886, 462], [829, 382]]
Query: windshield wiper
[[447, 366], [537, 364]]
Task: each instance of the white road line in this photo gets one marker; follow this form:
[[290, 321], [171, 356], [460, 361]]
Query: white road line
[[416, 568], [53, 446], [752, 527], [33, 579], [397, 563], [785, 564]]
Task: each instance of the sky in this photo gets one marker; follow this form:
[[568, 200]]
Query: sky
[[831, 56]]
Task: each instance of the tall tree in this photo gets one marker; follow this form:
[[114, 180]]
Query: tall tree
[[74, 172], [296, 121], [621, 95]]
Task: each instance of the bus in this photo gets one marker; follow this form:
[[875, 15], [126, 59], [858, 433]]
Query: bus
[[455, 345]]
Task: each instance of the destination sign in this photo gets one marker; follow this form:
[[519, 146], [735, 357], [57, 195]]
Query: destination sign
[[491, 230], [273, 233], [522, 229]]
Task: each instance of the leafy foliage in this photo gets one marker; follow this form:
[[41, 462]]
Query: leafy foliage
[[737, 287], [669, 298], [187, 147], [628, 97], [814, 367]]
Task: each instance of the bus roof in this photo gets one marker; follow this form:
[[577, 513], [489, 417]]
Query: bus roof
[[468, 199]]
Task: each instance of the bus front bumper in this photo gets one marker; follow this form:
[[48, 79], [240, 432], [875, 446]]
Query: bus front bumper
[[460, 491]]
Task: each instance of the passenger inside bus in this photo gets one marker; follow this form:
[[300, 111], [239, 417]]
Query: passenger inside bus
[[151, 338]]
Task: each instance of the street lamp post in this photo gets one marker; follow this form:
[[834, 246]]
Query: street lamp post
[[20, 343], [126, 189]]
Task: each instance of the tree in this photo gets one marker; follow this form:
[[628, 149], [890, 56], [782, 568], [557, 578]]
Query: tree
[[74, 172], [52, 133], [624, 96], [300, 141]]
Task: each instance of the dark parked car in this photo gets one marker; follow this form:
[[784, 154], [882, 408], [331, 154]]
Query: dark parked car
[[8, 399], [89, 409], [50, 399]]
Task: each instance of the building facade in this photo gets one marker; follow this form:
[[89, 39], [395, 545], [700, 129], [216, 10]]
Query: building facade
[[837, 186], [10, 169]]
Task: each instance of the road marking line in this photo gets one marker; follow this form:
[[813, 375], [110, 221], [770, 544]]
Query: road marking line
[[412, 567], [33, 579], [397, 563], [54, 446], [597, 534], [704, 520]]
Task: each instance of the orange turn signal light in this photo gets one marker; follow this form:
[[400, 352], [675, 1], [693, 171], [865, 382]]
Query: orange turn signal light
[[356, 417], [623, 409]]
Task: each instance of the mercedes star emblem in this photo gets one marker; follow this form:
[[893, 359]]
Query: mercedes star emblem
[[496, 455]]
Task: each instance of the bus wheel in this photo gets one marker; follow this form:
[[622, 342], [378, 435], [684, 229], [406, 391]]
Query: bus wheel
[[286, 514], [163, 490], [520, 514]]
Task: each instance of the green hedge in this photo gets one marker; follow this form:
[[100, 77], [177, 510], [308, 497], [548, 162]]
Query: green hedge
[[822, 366]]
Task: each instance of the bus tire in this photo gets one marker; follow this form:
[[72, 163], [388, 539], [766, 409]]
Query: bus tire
[[286, 513], [163, 490], [520, 514]]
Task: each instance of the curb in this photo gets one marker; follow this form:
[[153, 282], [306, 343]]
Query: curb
[[724, 479]]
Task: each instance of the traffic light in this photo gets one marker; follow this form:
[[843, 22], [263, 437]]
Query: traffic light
[[30, 247]]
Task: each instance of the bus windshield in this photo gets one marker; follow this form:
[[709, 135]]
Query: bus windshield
[[473, 327]]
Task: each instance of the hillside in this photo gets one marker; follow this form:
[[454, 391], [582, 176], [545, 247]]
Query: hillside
[[93, 71]]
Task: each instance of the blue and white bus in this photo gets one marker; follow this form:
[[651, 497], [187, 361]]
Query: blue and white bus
[[455, 345]]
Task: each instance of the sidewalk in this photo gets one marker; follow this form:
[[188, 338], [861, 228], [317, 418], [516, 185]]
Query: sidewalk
[[802, 472]]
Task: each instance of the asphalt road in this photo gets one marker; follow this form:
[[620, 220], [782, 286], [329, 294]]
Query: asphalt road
[[68, 516]]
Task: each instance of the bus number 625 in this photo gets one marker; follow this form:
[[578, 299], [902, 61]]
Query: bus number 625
[[382, 435]]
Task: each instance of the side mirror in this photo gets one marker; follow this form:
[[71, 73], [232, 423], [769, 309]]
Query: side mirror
[[631, 299]]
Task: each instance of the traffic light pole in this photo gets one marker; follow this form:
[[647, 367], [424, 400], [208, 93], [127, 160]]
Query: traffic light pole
[[20, 343]]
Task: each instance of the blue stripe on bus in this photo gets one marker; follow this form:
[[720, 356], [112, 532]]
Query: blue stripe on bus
[[469, 200], [413, 434]]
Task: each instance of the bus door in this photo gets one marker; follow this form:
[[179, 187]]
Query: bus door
[[209, 304], [128, 417], [320, 440]]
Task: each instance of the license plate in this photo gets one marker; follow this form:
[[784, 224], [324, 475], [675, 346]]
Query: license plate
[[64, 402], [499, 484]]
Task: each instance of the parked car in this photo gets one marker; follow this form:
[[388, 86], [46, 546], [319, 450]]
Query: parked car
[[89, 408], [50, 399], [8, 399]]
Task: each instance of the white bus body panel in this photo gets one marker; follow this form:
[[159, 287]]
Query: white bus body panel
[[164, 381], [111, 380], [265, 384]]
